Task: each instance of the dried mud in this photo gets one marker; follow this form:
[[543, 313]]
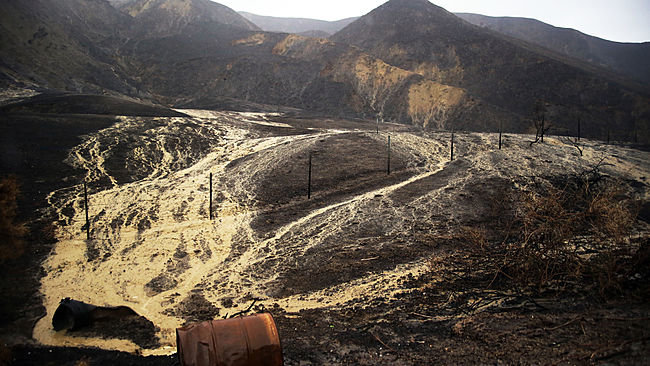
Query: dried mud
[[348, 274]]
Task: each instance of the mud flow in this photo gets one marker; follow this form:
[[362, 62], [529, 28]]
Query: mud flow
[[363, 238]]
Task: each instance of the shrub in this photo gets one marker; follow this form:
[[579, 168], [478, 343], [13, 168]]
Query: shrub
[[571, 235], [11, 233]]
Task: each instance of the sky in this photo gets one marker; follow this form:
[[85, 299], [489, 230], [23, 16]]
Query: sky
[[615, 20]]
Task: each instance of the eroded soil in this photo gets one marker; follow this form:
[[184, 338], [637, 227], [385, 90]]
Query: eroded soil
[[367, 271]]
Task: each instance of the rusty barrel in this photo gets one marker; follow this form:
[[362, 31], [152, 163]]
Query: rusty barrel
[[250, 340]]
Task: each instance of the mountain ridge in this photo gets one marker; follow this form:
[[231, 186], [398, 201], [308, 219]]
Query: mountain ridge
[[296, 25], [407, 61], [66, 44], [169, 16], [418, 36], [625, 58]]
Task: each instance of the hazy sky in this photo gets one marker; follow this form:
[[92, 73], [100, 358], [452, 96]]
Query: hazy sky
[[616, 20]]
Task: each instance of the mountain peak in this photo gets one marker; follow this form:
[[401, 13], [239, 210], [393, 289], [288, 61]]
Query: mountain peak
[[400, 16], [177, 13], [421, 37], [402, 21], [409, 2], [418, 5]]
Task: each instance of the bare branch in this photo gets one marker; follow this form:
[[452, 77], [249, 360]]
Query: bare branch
[[575, 142]]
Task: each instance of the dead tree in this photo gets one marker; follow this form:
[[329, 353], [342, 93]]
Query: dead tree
[[541, 126], [573, 141]]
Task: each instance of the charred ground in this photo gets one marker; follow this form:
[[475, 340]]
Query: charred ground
[[411, 268]]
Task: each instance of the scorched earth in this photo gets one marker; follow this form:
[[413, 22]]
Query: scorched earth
[[366, 240]]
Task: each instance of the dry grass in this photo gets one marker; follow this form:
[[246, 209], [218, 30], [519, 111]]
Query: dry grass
[[85, 361], [576, 237], [11, 233]]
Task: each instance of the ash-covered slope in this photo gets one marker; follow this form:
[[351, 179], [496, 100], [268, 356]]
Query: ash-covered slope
[[75, 45], [418, 64], [205, 64], [80, 104], [629, 59], [354, 243], [66, 45], [201, 54], [419, 36], [163, 17]]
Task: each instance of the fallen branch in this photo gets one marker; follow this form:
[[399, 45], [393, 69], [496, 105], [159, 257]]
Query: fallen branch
[[564, 325], [244, 311], [369, 259], [380, 341]]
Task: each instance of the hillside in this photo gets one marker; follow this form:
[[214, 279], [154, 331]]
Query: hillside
[[419, 36], [80, 104], [311, 74], [629, 59], [418, 64], [165, 17], [64, 45], [400, 257], [274, 69], [74, 45], [186, 55]]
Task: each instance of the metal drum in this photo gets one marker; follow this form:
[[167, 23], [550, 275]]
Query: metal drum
[[72, 314], [242, 341]]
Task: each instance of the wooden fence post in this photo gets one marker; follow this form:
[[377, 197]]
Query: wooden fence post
[[500, 133], [86, 206], [388, 158], [210, 214], [309, 178], [452, 145]]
